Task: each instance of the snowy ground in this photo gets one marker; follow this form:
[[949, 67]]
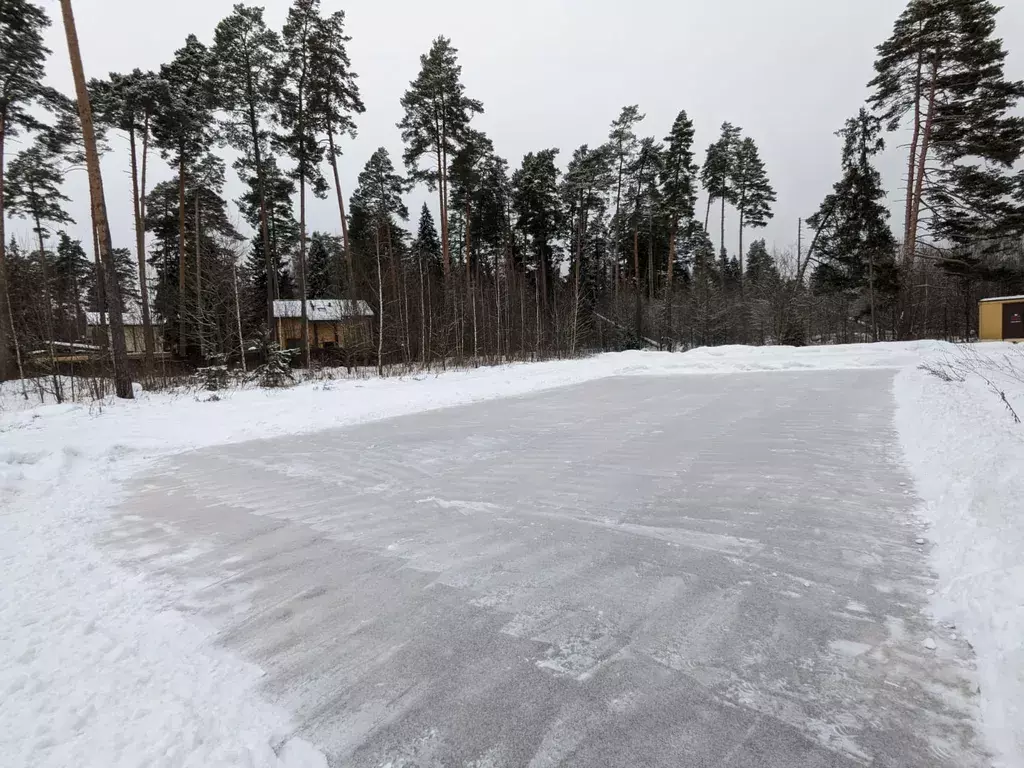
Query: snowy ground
[[108, 663]]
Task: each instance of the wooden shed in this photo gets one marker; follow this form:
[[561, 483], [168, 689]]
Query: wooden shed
[[333, 323], [1001, 319]]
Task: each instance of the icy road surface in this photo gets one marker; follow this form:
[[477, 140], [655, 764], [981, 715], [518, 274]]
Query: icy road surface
[[665, 571]]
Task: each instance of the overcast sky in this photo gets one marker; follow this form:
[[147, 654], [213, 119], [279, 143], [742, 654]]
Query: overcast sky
[[554, 73]]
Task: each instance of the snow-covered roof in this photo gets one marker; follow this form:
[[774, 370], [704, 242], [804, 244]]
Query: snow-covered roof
[[1005, 298], [323, 310], [130, 316]]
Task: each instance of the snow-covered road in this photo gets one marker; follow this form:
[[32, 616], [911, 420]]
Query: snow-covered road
[[677, 571]]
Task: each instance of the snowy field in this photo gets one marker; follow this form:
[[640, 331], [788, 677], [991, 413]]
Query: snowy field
[[112, 659]]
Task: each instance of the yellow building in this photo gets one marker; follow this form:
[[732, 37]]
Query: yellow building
[[333, 323], [1001, 319]]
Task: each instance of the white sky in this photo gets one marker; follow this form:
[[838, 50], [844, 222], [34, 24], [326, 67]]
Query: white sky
[[554, 73]]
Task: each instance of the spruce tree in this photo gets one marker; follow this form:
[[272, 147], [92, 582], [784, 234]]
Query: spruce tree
[[334, 99], [246, 53], [298, 121], [184, 132], [379, 198], [437, 117], [855, 246], [760, 266], [752, 191], [943, 69], [71, 269], [22, 59]]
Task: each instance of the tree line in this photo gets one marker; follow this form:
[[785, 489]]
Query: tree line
[[605, 250]]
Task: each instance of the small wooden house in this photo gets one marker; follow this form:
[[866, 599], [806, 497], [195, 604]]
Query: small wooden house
[[1001, 319], [333, 323], [134, 331]]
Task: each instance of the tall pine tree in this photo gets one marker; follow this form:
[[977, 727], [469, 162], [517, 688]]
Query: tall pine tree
[[752, 191], [334, 99], [246, 53], [437, 117], [184, 132], [679, 191], [943, 70], [293, 90], [130, 103]]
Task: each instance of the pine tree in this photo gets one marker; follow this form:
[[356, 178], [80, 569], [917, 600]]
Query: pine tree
[[943, 69], [622, 148], [184, 132], [679, 191], [854, 243], [246, 53], [101, 225], [130, 103], [379, 198], [752, 191], [717, 175], [22, 59], [334, 99], [299, 139], [437, 117], [646, 197]]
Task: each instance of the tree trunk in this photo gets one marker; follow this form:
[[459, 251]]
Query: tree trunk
[[912, 159], [725, 253], [261, 181], [200, 330], [669, 295], [636, 271], [350, 269], [915, 210], [238, 317], [302, 268], [182, 345], [871, 296], [140, 246], [6, 315], [48, 310], [442, 194], [742, 277], [122, 377], [380, 303]]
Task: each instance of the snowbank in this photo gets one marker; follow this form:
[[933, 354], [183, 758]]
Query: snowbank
[[967, 457], [102, 670]]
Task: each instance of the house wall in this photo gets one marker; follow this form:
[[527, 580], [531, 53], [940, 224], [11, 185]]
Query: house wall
[[134, 338], [990, 321], [339, 334]]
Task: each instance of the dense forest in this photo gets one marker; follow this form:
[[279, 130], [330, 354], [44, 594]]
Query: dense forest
[[557, 254]]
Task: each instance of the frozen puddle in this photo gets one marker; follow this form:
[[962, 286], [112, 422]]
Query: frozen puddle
[[704, 570]]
